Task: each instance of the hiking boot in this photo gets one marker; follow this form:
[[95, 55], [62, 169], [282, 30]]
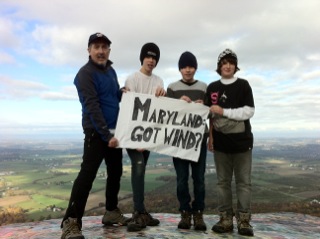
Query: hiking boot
[[71, 229], [115, 217], [149, 220], [244, 227], [185, 222], [137, 222], [198, 221], [225, 224]]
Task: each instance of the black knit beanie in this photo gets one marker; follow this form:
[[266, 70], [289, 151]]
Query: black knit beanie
[[150, 49], [187, 59]]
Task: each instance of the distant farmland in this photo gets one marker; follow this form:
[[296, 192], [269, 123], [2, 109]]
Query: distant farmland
[[40, 182]]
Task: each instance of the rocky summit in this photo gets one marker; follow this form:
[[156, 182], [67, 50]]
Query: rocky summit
[[269, 225]]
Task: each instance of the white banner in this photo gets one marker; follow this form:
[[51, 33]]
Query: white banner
[[160, 124]]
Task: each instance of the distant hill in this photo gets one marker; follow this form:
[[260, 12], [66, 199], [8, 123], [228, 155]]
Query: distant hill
[[36, 180]]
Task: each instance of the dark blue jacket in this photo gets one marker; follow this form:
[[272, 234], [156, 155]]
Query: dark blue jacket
[[99, 94]]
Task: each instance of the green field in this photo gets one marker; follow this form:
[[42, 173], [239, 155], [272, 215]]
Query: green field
[[35, 185], [40, 184]]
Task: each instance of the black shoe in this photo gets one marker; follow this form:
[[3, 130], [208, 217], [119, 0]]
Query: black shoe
[[244, 227], [149, 220], [115, 217], [225, 223], [198, 222], [137, 222], [71, 229], [185, 222]]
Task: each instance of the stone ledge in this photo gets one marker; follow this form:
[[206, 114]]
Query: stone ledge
[[269, 225]]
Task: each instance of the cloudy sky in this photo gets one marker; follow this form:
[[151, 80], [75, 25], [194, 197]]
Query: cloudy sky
[[44, 43]]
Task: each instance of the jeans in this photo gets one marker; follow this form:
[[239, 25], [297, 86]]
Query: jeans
[[240, 165], [197, 170], [139, 162], [95, 150]]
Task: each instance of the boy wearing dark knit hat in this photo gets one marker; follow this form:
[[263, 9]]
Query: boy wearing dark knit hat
[[150, 50], [231, 104], [143, 81], [190, 90]]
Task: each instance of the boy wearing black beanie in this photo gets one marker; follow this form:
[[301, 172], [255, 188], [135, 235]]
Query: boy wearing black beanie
[[150, 50], [190, 90], [143, 81]]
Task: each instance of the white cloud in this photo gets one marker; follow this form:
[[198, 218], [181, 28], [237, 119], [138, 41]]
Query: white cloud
[[19, 89], [6, 58], [276, 43], [66, 93]]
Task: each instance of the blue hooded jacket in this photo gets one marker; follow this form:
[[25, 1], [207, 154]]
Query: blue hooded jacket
[[99, 94]]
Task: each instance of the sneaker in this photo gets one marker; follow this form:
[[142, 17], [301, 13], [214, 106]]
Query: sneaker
[[115, 217], [137, 223], [185, 222], [244, 227], [149, 220], [71, 229], [225, 224], [198, 222]]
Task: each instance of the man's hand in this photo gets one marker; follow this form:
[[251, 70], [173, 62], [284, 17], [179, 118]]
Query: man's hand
[[113, 143], [125, 89]]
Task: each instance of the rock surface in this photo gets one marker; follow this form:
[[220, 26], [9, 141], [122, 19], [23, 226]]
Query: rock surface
[[270, 225]]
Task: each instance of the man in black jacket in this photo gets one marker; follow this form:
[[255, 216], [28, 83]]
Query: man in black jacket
[[99, 94]]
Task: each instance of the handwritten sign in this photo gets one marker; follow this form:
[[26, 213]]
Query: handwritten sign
[[162, 125]]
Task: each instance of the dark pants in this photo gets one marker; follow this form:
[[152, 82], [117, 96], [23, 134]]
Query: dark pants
[[95, 150], [182, 168], [139, 162]]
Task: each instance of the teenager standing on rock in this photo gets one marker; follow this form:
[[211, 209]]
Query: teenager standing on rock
[[190, 90], [231, 104]]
